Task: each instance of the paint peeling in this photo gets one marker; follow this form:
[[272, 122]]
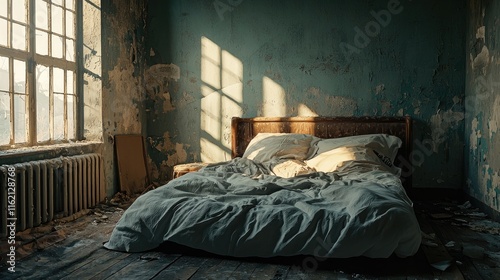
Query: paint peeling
[[494, 122], [180, 155], [122, 83], [480, 33], [326, 104], [475, 135], [167, 144], [157, 80], [440, 125], [379, 89], [386, 107], [159, 72], [493, 127], [161, 173], [167, 103], [482, 60], [490, 183], [122, 64]]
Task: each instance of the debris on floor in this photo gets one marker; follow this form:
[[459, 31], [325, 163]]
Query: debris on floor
[[473, 251], [477, 245], [46, 235], [429, 240]]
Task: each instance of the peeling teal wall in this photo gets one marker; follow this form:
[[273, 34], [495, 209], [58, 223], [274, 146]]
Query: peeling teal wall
[[123, 59], [211, 60], [482, 118]]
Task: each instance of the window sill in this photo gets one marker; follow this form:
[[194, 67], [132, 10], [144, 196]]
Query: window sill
[[49, 151]]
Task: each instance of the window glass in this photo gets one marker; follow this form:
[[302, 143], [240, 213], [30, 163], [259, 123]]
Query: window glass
[[42, 103]]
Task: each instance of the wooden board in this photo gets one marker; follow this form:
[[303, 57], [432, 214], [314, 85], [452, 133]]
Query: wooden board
[[131, 163]]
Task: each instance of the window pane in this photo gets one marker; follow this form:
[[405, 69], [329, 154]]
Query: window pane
[[19, 10], [69, 82], [58, 80], [19, 76], [3, 32], [70, 4], [3, 8], [19, 36], [57, 46], [58, 2], [42, 43], [58, 116], [42, 103], [71, 117], [4, 74], [70, 50], [41, 15], [57, 19], [70, 25], [19, 118], [4, 118]]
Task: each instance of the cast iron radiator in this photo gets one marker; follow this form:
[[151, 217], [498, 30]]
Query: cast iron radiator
[[50, 189]]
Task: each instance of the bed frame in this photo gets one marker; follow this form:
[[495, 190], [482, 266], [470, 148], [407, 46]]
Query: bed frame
[[245, 129]]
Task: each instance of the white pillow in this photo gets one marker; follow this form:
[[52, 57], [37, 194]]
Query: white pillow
[[267, 146], [291, 168], [345, 159], [374, 149]]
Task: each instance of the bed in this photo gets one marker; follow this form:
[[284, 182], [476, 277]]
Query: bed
[[322, 186]]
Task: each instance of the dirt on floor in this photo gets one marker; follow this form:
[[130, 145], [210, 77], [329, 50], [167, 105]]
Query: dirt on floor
[[104, 215]]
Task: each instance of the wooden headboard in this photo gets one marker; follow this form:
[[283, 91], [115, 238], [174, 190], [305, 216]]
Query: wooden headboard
[[245, 129]]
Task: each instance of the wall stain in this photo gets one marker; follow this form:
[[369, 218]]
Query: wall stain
[[441, 123], [123, 86], [483, 103]]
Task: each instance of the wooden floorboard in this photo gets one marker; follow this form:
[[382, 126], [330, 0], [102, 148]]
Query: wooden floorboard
[[438, 254], [101, 263], [182, 269], [116, 266], [244, 270], [146, 266], [270, 271], [221, 270]]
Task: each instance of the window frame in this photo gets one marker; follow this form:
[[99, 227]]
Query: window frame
[[32, 60]]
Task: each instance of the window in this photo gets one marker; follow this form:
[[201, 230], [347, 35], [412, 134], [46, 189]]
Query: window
[[38, 100]]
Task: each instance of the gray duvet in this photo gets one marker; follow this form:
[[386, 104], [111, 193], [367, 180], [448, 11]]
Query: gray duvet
[[237, 209]]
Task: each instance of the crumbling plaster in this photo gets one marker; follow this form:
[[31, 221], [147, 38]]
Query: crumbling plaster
[[123, 90], [483, 102]]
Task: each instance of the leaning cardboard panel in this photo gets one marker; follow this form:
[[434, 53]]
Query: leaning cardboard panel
[[131, 163]]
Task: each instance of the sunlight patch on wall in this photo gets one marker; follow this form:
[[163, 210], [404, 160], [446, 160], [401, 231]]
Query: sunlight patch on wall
[[210, 66], [305, 111], [274, 99], [222, 90]]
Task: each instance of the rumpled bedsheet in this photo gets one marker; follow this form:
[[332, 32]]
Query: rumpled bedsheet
[[237, 208]]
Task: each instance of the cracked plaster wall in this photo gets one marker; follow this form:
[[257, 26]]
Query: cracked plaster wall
[[123, 91], [288, 58], [482, 116]]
